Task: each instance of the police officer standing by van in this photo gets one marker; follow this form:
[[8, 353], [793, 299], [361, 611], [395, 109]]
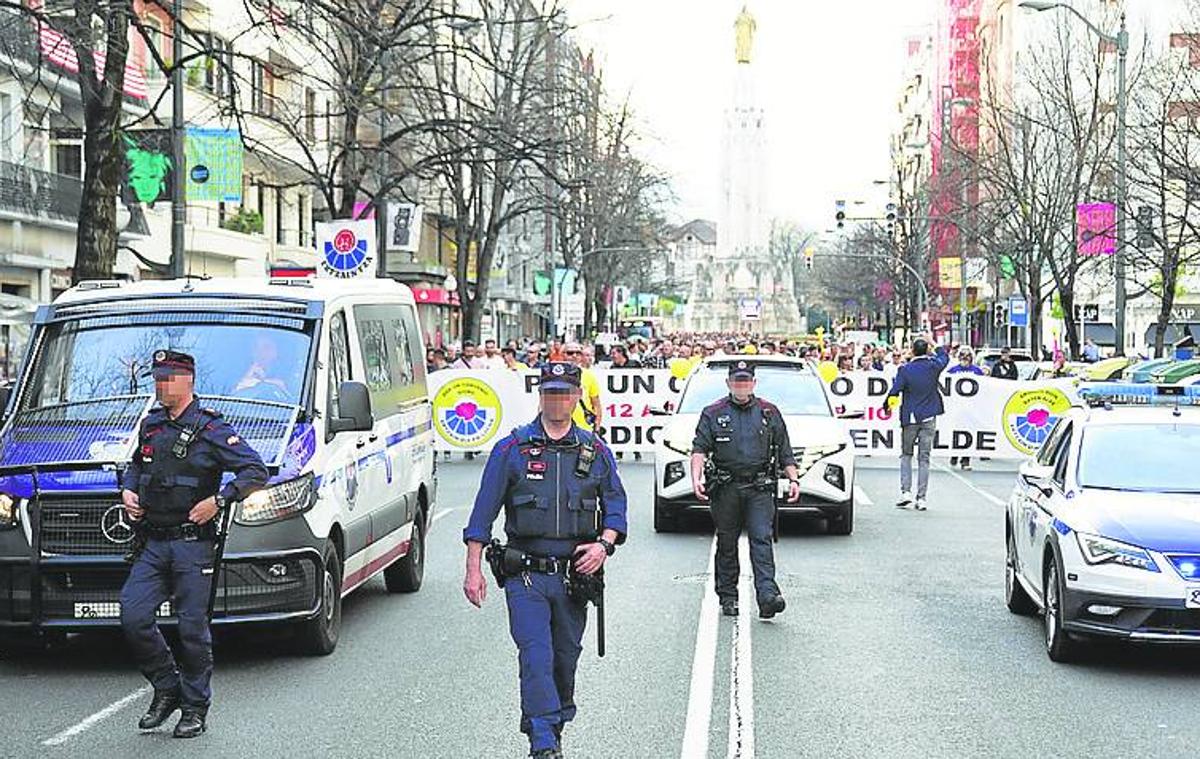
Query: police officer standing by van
[[170, 491], [564, 509], [747, 441]]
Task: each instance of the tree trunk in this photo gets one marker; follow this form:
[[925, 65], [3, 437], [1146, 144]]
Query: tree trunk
[[103, 153]]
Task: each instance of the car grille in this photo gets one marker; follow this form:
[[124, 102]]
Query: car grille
[[71, 527], [1173, 620]]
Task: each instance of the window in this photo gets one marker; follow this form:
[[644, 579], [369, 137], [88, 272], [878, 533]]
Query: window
[[262, 89], [339, 360], [1061, 457], [218, 67], [279, 233], [1049, 448], [66, 152], [158, 43], [310, 114], [8, 121], [393, 356], [301, 235]]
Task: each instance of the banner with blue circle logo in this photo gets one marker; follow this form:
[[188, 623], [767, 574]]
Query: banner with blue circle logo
[[346, 248]]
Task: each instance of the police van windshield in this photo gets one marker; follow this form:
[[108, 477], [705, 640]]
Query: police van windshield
[[794, 391], [1164, 459], [253, 358]]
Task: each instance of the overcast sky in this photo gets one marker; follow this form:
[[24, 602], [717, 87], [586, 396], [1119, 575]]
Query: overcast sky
[[828, 73]]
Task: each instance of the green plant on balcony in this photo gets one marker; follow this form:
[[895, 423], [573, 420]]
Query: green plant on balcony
[[245, 221], [195, 73]]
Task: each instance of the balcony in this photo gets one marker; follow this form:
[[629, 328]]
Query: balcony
[[32, 195]]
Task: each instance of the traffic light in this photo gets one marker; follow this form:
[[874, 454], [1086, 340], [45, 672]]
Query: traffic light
[[1001, 312], [1145, 228], [890, 218], [808, 257], [840, 213]]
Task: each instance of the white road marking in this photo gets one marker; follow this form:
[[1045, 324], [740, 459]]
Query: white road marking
[[861, 496], [89, 722], [441, 513], [741, 675], [704, 660], [972, 486]]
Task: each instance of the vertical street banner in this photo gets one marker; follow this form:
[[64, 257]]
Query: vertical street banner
[[149, 169], [214, 165], [347, 248], [1096, 229], [404, 226]]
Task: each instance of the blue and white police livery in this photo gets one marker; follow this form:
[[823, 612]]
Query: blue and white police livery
[[554, 501], [324, 378], [1103, 528]]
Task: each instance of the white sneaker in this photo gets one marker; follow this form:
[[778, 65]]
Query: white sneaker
[[905, 499], [920, 504]]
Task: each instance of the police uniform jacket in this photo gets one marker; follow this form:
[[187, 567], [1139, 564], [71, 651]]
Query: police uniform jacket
[[740, 436], [551, 502], [168, 485]]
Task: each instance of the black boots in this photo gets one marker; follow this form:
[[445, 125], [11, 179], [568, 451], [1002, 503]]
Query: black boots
[[191, 723], [771, 607], [729, 608], [163, 705]]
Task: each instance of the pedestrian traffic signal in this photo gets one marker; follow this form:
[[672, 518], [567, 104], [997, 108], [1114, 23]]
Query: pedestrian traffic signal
[[889, 217], [808, 258], [840, 213]]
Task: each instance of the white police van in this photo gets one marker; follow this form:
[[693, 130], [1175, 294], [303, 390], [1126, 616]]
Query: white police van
[[324, 378]]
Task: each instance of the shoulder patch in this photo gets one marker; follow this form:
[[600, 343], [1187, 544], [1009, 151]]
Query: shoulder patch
[[233, 440]]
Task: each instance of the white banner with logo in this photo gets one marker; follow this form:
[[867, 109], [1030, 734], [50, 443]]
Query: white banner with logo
[[985, 417]]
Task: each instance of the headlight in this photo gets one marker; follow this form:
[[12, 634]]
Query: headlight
[[8, 511], [287, 499], [806, 457], [1098, 550]]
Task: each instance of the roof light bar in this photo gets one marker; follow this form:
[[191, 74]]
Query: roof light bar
[[1128, 394]]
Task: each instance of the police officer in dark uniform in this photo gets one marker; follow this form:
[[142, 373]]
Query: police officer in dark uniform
[[171, 492], [747, 441], [564, 509]]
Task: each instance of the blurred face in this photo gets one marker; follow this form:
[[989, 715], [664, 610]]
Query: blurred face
[[964, 359], [173, 388], [698, 351], [490, 348], [667, 350], [558, 405], [741, 388], [468, 351], [1005, 355], [573, 352]]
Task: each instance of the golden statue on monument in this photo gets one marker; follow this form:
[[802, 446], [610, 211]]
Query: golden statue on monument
[[744, 27]]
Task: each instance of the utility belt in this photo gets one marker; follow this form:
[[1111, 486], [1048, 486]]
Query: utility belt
[[188, 531], [507, 562], [759, 480]]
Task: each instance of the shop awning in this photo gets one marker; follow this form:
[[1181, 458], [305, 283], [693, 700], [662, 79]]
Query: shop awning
[[1175, 333], [1101, 333]]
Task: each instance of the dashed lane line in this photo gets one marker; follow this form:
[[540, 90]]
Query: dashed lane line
[[986, 495], [87, 723], [741, 678]]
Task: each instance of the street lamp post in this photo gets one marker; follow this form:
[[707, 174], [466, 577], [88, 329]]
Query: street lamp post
[[179, 186], [1121, 43]]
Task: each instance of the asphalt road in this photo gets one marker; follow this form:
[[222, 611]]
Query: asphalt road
[[896, 643]]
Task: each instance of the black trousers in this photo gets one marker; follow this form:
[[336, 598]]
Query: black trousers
[[735, 507]]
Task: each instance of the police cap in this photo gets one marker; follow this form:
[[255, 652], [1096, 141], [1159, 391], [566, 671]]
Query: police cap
[[168, 363], [559, 376], [741, 370]]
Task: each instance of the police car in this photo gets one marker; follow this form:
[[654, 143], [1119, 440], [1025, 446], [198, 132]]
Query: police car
[[824, 453], [1103, 528], [325, 378]]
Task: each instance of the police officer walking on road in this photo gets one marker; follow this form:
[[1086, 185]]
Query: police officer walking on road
[[170, 490], [564, 515], [748, 443]]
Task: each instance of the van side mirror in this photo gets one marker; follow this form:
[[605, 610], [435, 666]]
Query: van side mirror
[[354, 409]]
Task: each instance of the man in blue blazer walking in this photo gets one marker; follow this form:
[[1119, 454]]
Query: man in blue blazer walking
[[916, 384]]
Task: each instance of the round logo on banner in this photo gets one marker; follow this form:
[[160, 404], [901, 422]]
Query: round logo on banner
[[346, 254], [467, 412], [1029, 415]]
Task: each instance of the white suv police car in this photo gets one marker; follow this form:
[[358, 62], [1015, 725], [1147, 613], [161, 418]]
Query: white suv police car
[[823, 449], [1103, 528]]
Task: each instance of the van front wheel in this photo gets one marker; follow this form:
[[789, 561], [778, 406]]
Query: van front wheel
[[319, 636]]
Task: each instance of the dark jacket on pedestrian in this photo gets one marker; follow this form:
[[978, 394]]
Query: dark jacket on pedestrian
[[1005, 370], [917, 385]]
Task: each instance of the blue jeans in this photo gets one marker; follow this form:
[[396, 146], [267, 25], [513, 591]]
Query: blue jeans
[[547, 627], [734, 507], [171, 569]]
